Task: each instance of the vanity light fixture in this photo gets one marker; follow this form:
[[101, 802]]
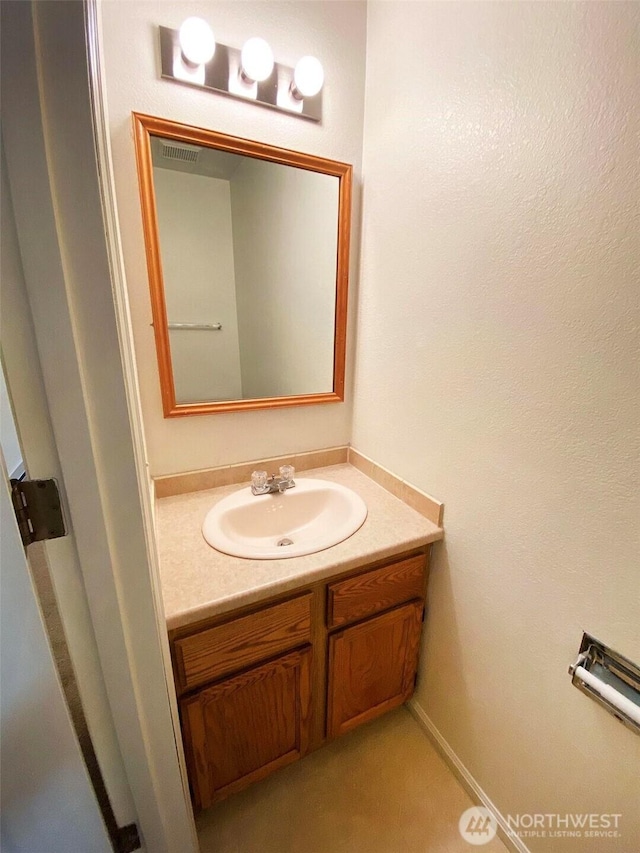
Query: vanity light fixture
[[257, 61], [197, 41], [308, 78], [191, 56]]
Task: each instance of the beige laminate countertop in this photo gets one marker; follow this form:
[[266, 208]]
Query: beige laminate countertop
[[198, 581]]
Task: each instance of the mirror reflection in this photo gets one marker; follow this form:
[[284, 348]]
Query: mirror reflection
[[248, 250], [247, 247]]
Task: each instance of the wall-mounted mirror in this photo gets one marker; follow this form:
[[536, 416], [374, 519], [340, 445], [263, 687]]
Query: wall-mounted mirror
[[248, 257]]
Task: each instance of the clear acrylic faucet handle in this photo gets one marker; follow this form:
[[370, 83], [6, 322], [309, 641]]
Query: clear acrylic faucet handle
[[287, 473], [259, 481]]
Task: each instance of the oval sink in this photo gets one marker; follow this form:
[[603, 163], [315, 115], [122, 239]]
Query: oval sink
[[314, 515]]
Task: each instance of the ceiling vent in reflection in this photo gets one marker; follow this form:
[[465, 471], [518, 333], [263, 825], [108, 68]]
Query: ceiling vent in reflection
[[181, 151]]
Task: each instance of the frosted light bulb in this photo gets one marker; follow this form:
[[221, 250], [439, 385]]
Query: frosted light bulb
[[197, 41], [257, 60], [308, 77]]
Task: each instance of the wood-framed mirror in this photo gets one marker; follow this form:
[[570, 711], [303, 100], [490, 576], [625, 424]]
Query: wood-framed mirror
[[248, 258]]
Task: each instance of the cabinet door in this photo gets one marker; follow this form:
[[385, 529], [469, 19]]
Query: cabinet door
[[245, 727], [372, 667]]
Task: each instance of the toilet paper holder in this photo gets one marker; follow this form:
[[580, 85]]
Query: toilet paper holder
[[610, 679]]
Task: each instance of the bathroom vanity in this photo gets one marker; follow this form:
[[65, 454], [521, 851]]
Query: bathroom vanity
[[273, 658]]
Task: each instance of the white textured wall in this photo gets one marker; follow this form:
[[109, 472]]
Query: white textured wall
[[336, 34], [196, 244], [501, 247], [285, 246]]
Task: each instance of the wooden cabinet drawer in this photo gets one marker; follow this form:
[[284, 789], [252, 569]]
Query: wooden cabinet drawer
[[234, 645], [374, 591]]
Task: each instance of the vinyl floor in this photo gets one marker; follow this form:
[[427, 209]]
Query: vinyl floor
[[382, 788]]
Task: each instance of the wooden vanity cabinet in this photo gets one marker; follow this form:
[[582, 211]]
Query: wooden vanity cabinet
[[260, 688]]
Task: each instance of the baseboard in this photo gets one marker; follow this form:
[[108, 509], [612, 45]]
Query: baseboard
[[477, 794]]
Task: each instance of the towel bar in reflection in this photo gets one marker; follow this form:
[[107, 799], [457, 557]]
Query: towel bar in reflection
[[207, 327]]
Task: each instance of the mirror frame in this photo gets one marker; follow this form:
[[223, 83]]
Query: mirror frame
[[146, 126]]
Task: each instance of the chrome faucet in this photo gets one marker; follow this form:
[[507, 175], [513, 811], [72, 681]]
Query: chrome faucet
[[262, 484]]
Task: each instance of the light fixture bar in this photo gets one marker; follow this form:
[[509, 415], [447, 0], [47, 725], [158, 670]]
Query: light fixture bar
[[222, 75]]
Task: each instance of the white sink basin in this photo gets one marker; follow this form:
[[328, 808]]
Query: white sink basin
[[312, 516]]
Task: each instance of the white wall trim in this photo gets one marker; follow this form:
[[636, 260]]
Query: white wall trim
[[468, 781]]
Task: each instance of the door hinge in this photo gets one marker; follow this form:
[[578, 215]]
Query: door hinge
[[128, 839], [38, 510]]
